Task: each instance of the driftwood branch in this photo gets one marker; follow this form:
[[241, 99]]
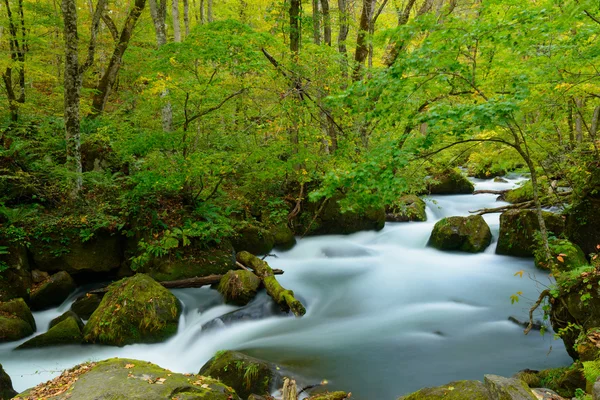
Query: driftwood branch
[[545, 293], [498, 192], [195, 282]]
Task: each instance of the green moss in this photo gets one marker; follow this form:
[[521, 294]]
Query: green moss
[[468, 234], [19, 309], [450, 181], [459, 390], [566, 256], [253, 239], [135, 310], [407, 208], [564, 381], [283, 236], [519, 230], [239, 287], [66, 331]]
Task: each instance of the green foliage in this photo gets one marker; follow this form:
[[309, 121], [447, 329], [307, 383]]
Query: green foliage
[[591, 370]]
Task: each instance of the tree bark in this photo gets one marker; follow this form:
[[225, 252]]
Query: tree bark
[[110, 75], [396, 47], [362, 39], [158, 11], [209, 11], [186, 17], [18, 47], [316, 15], [176, 26], [342, 37], [202, 17], [285, 298], [295, 27], [326, 22]]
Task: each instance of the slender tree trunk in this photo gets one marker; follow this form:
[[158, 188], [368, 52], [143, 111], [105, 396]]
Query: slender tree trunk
[[186, 17], [570, 123], [579, 102], [316, 22], [72, 92], [176, 26], [110, 75], [295, 26], [18, 47], [202, 17], [158, 11], [326, 22], [342, 37], [209, 11], [394, 48], [362, 39]]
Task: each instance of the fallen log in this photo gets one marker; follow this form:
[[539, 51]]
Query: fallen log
[[195, 282], [284, 297], [498, 192], [519, 206]]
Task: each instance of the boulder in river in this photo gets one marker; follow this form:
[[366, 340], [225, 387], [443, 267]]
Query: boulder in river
[[66, 331], [469, 234], [253, 239], [518, 230], [85, 305], [283, 236], [247, 375], [122, 378], [450, 181], [134, 310], [16, 320], [6, 389], [407, 208], [52, 292], [567, 256], [494, 388], [239, 287], [67, 315]]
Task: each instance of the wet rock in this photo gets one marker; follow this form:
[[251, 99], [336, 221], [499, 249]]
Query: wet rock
[[67, 315], [6, 388], [15, 281], [85, 305], [246, 375], [38, 276], [239, 287], [260, 308], [283, 236], [469, 234], [16, 320], [121, 378], [499, 179], [134, 310], [502, 388], [459, 390], [450, 181], [518, 229], [253, 239], [546, 394], [52, 292], [101, 254], [330, 396], [67, 331], [407, 208]]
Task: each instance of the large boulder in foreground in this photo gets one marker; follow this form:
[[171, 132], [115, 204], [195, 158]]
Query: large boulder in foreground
[[239, 287], [16, 320], [469, 234], [52, 292], [407, 208], [6, 388], [121, 378], [134, 310], [450, 181], [518, 230], [247, 375]]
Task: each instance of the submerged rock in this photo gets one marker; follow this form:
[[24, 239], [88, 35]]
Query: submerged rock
[[6, 388], [407, 208], [134, 310], [67, 331], [518, 230], [52, 292], [67, 315], [450, 181], [121, 378], [85, 305], [247, 375], [16, 320], [239, 287], [470, 234]]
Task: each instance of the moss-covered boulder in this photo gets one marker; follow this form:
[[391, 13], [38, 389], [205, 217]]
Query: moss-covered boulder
[[243, 373], [16, 320], [564, 381], [501, 388], [134, 310], [469, 234], [459, 390], [239, 287], [519, 194], [407, 208], [583, 224], [101, 254], [121, 378], [15, 276], [67, 315], [328, 219], [67, 331], [85, 305], [519, 230], [450, 181], [6, 389], [253, 239], [330, 396], [283, 236], [566, 255], [191, 261], [52, 292]]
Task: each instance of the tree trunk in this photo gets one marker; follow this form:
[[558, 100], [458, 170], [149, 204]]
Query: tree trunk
[[326, 22], [159, 16], [209, 11], [316, 22], [72, 92], [396, 47], [18, 47], [362, 39], [176, 26], [186, 17], [295, 26], [202, 17], [110, 75], [579, 120], [342, 36]]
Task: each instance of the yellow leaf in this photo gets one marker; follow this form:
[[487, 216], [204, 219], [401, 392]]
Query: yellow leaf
[[559, 258], [520, 273], [129, 366]]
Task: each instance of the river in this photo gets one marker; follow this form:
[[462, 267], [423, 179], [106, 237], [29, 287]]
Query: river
[[386, 315]]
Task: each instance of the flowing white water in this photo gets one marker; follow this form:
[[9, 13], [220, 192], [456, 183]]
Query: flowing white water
[[386, 315]]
